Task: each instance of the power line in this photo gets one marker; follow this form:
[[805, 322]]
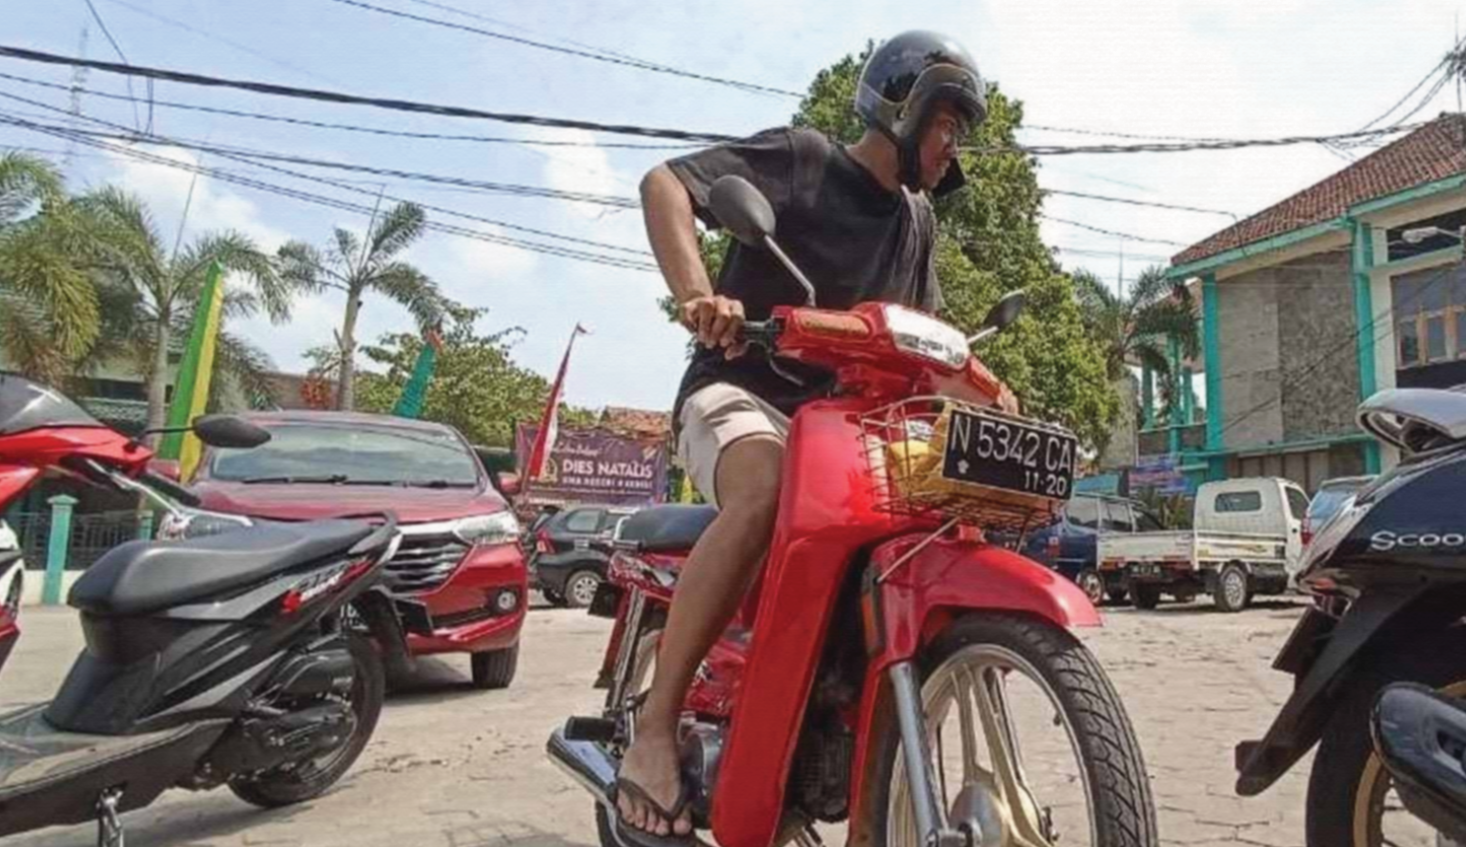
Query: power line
[[1132, 202], [396, 133], [628, 263], [584, 54], [236, 156], [1109, 232], [273, 89], [123, 56], [202, 33]]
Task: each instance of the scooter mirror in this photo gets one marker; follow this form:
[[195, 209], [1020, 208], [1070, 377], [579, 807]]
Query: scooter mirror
[[1006, 310], [742, 210], [229, 431]]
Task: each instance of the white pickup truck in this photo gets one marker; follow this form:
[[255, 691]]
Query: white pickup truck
[[1247, 540]]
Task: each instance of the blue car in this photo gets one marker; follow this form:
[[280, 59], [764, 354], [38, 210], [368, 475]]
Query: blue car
[[1070, 545]]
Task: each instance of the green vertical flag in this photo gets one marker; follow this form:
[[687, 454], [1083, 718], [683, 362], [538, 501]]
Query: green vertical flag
[[415, 392], [191, 390]]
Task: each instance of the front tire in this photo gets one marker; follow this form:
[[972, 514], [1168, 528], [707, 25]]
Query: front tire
[[494, 669], [1348, 787], [978, 656], [311, 779]]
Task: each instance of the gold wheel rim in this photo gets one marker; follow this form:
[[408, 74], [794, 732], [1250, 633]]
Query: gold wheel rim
[[1374, 785]]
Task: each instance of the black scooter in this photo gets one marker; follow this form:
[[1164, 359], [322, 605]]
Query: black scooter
[[1385, 634], [252, 659]]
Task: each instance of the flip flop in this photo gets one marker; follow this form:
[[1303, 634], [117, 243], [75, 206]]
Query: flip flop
[[630, 836]]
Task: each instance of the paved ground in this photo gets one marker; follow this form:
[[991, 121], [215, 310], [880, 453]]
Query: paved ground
[[451, 767]]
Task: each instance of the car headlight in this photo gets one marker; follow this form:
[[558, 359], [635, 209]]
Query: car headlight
[[177, 526], [498, 528], [1327, 539], [914, 332]]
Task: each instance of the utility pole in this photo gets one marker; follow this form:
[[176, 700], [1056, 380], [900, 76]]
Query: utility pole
[[78, 84]]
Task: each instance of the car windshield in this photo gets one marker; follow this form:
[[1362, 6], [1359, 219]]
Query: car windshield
[[1329, 500], [352, 454]]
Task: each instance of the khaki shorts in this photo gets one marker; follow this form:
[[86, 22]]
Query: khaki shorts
[[714, 417]]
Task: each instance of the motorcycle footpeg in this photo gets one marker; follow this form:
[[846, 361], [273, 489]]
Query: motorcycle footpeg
[[602, 730]]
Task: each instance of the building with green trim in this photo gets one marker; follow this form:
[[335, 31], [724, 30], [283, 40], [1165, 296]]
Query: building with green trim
[[1351, 286]]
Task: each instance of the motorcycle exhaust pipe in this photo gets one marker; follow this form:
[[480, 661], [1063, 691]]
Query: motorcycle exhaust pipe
[[586, 762], [1420, 737]]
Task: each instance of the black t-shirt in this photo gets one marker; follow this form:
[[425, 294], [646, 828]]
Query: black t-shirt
[[854, 240]]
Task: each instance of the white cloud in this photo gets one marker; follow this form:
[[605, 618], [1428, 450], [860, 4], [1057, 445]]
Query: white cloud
[[583, 170], [165, 188]]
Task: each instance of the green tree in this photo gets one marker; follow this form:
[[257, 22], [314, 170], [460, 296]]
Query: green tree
[[988, 245], [1135, 329], [150, 293], [477, 387], [49, 314], [349, 265]]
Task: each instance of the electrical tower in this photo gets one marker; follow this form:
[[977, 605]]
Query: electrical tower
[[78, 84]]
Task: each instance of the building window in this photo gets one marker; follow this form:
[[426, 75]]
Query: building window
[[1430, 316]]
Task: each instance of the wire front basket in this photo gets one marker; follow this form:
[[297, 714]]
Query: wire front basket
[[906, 444]]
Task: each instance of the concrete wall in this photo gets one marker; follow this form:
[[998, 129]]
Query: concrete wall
[[1317, 346], [1287, 348], [1247, 322], [1120, 453]]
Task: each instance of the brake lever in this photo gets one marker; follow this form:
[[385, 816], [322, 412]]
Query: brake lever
[[763, 334]]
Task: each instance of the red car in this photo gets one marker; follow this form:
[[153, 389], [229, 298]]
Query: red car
[[460, 551]]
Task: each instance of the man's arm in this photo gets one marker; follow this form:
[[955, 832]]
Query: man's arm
[[670, 227]]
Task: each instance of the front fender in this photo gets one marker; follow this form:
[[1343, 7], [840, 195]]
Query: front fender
[[952, 576]]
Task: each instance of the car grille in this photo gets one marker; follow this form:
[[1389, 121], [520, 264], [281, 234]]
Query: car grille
[[424, 562]]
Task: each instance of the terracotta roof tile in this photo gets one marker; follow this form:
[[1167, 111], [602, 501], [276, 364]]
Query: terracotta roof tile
[[637, 422], [1435, 151]]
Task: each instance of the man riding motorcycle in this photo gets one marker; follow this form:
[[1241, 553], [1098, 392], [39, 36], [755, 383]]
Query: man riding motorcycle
[[860, 223]]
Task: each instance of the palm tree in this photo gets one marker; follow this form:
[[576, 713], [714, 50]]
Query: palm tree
[[150, 293], [1137, 328], [49, 313], [355, 268]]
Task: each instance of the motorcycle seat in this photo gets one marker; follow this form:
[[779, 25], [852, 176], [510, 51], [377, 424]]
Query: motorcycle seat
[[140, 577], [666, 529]]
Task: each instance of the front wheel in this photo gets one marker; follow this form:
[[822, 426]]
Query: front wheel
[[1029, 743], [301, 781], [1352, 800]]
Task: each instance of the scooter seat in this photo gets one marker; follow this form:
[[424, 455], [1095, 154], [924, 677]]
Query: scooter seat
[[140, 577], [667, 529]]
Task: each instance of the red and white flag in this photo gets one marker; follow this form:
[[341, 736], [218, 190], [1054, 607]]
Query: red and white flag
[[544, 440]]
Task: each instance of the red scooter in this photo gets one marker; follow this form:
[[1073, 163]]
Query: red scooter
[[888, 664]]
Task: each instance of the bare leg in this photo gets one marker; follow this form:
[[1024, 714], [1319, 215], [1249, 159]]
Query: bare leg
[[712, 585]]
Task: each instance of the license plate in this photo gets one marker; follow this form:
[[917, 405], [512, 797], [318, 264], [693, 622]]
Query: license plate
[[1009, 454], [1145, 570]]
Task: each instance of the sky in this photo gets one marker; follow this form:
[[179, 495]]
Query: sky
[[1207, 68]]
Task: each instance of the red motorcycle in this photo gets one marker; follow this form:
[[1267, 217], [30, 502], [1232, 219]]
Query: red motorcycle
[[889, 666]]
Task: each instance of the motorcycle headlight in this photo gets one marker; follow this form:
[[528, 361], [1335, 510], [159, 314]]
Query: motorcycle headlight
[[1327, 539], [498, 528], [197, 524], [914, 332]]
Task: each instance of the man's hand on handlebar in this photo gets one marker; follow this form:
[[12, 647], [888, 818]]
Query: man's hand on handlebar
[[717, 321]]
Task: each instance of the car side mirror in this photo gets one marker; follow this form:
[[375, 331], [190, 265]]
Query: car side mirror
[[508, 483], [229, 431]]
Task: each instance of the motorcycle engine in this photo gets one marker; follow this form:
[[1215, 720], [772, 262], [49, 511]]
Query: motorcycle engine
[[702, 749], [819, 782]]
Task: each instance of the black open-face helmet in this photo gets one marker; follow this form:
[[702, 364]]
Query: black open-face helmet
[[903, 81]]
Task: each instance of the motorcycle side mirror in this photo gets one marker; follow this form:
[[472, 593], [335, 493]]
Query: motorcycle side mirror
[[229, 431], [744, 211], [1001, 316]]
